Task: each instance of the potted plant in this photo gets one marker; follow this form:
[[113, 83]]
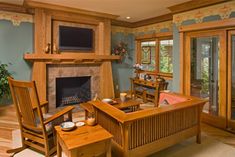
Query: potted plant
[[4, 90]]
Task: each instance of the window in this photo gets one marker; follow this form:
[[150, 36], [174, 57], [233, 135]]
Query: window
[[148, 49], [165, 56], [155, 52]]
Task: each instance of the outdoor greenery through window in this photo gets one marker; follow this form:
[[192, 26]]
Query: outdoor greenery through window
[[165, 56]]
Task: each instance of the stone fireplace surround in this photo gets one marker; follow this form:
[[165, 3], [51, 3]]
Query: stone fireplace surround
[[71, 70]]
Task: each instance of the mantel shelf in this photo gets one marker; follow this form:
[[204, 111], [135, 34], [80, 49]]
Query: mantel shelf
[[69, 58]]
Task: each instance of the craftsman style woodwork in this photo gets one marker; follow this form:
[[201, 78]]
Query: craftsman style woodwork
[[47, 18], [157, 38], [223, 30], [36, 131], [84, 141], [144, 132]]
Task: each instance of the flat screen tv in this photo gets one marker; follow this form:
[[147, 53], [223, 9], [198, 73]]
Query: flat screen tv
[[75, 38]]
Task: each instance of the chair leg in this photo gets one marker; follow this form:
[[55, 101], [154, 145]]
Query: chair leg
[[16, 150]]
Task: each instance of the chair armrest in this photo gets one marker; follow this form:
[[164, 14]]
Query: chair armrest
[[45, 105], [59, 114]]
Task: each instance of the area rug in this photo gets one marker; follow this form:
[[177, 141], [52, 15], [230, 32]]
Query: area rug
[[188, 148]]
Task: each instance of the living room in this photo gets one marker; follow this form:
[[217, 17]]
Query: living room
[[179, 53]]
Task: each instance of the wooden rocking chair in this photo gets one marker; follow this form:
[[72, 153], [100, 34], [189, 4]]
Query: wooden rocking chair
[[36, 131]]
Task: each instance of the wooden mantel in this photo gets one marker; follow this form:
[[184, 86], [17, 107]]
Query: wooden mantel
[[68, 58]]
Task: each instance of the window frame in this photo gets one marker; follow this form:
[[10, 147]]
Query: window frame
[[157, 38]]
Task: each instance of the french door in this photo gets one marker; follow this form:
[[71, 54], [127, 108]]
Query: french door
[[206, 73], [231, 80]]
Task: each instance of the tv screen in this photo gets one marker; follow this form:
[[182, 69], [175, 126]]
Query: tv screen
[[75, 38]]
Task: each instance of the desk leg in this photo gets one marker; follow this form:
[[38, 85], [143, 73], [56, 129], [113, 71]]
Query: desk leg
[[108, 149], [58, 148]]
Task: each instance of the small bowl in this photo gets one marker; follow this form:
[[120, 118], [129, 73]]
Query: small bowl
[[78, 124], [107, 100], [67, 126], [166, 91]]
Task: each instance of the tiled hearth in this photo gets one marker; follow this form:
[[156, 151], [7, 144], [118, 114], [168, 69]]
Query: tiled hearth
[[74, 70]]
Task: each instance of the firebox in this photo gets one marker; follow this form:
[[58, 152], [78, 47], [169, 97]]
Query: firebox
[[72, 90]]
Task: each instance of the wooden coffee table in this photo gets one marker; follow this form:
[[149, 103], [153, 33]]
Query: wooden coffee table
[[84, 141], [129, 103]]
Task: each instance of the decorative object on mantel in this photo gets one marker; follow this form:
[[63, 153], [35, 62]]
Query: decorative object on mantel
[[48, 48], [4, 74], [55, 49], [121, 50]]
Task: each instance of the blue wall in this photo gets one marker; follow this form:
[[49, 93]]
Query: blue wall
[[123, 71], [14, 42]]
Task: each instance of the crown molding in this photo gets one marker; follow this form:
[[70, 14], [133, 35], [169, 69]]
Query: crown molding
[[14, 8], [158, 19], [33, 4], [193, 4]]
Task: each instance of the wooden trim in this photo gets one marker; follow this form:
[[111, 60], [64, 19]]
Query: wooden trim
[[155, 35], [216, 121], [223, 73], [157, 19], [14, 8], [72, 57], [194, 4], [223, 69], [33, 4], [208, 25], [121, 23], [229, 90], [157, 51], [182, 41]]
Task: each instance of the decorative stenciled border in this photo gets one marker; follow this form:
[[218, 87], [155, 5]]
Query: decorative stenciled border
[[155, 28], [16, 18], [224, 10]]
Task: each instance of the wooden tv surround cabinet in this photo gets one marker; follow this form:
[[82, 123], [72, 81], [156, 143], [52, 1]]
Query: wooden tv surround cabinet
[[144, 132], [47, 19]]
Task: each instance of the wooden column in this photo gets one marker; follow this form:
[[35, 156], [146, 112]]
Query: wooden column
[[107, 88], [39, 68]]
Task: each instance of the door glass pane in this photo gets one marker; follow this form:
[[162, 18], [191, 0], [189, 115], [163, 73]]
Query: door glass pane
[[165, 56], [205, 71], [233, 79], [148, 52]]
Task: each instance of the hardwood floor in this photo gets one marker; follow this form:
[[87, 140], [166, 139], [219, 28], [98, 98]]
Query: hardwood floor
[[8, 123]]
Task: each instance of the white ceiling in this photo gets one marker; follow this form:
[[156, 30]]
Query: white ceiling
[[136, 9]]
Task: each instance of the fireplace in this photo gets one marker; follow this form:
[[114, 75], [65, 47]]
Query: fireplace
[[72, 90], [56, 72]]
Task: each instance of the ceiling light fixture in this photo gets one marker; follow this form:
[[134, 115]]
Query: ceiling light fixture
[[128, 17]]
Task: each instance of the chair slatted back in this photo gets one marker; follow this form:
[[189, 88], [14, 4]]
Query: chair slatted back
[[25, 106], [25, 98]]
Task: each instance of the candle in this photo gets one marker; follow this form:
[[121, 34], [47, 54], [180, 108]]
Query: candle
[[90, 121]]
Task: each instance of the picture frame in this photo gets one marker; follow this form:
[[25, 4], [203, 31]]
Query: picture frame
[[146, 54]]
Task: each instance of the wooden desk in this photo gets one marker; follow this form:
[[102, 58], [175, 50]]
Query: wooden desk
[[85, 141], [147, 90]]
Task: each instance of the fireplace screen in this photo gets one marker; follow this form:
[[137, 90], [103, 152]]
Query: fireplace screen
[[72, 90]]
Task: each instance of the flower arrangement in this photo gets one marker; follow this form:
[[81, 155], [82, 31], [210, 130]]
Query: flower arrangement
[[120, 49]]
